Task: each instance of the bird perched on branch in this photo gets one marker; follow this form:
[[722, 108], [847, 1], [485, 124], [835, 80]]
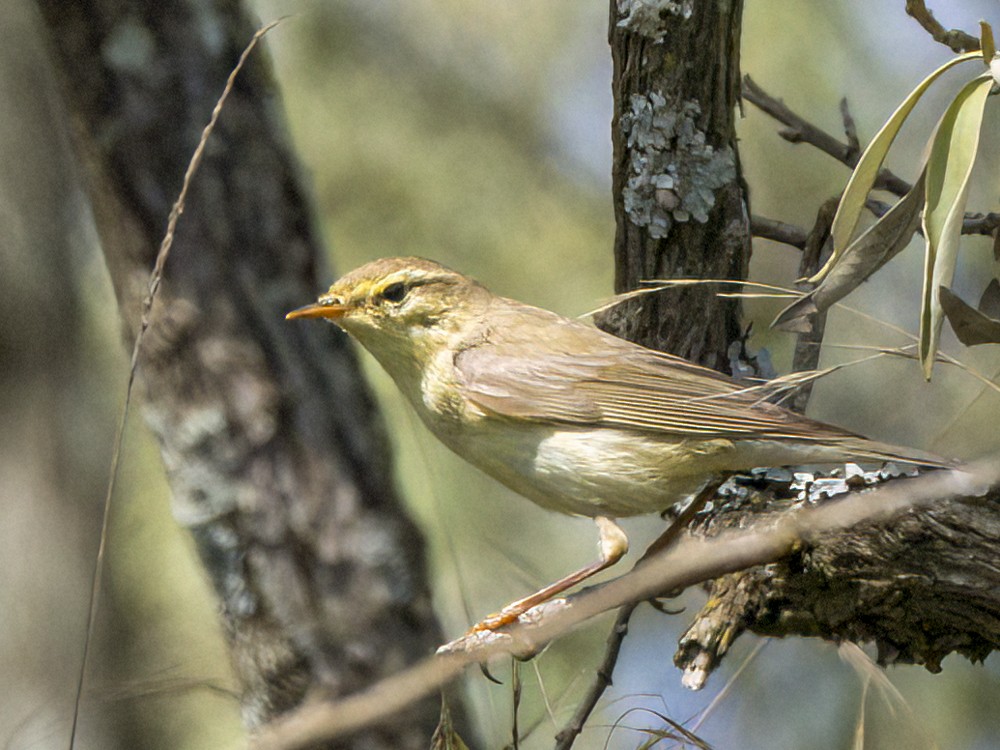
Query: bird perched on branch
[[571, 417]]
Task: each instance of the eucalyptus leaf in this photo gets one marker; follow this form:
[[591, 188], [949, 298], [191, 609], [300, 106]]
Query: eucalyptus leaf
[[856, 193], [881, 242], [970, 325], [949, 166]]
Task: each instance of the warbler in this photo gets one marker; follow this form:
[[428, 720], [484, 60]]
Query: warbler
[[571, 417]]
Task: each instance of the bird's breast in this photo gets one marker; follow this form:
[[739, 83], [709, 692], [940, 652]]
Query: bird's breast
[[588, 472]]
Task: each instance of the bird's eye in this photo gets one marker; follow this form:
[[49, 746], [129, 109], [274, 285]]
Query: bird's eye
[[394, 292]]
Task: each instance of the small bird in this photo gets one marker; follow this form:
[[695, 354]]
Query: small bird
[[571, 417]]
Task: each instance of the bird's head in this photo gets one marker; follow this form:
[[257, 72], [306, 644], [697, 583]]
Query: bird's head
[[401, 307]]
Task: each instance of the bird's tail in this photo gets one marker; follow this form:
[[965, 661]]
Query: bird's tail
[[862, 449]]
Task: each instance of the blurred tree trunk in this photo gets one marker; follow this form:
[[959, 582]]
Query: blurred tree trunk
[[274, 450], [55, 436]]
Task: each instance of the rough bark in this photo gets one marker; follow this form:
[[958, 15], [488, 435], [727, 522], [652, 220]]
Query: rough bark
[[921, 585], [680, 203], [274, 450]]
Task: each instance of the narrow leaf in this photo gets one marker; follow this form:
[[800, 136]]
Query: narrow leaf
[[949, 166], [856, 193], [868, 253], [989, 48], [970, 325]]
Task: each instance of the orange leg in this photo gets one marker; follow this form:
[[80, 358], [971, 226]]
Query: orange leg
[[613, 545]]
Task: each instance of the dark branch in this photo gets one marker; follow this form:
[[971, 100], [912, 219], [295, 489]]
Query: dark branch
[[807, 344], [778, 231], [919, 586], [955, 39], [850, 132], [568, 734], [803, 535], [799, 130]]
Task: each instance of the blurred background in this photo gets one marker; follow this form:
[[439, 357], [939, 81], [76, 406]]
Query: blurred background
[[477, 134]]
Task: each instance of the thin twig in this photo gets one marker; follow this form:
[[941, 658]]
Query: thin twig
[[155, 278], [799, 130], [814, 255], [955, 39], [778, 231], [850, 131], [602, 679], [515, 702], [690, 561]]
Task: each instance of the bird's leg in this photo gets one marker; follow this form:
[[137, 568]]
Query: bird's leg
[[613, 545]]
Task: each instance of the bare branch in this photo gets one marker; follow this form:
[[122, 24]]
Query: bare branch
[[808, 343], [799, 130], [988, 224], [955, 39], [602, 680], [567, 736], [850, 131], [689, 562], [778, 231]]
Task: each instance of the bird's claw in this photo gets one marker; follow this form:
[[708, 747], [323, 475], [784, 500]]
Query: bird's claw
[[471, 641], [497, 620]]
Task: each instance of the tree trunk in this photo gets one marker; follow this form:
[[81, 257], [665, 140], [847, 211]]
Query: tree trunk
[[679, 197], [275, 452], [920, 586]]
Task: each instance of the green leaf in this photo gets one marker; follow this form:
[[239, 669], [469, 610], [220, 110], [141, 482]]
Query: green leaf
[[989, 48], [856, 193], [882, 241], [972, 326], [952, 155]]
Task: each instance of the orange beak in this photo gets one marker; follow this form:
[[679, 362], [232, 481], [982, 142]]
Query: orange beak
[[318, 310]]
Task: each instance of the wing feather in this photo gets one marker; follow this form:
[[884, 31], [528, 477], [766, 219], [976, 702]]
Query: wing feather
[[576, 374]]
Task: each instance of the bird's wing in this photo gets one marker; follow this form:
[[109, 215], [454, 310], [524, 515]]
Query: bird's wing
[[580, 375]]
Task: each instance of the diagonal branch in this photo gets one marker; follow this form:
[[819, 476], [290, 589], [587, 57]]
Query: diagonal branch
[[778, 231], [692, 560], [955, 39], [799, 130]]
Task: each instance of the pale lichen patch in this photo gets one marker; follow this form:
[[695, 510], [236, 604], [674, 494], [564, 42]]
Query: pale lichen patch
[[647, 17], [673, 172]]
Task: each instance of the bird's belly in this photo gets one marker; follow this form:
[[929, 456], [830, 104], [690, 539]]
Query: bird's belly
[[587, 472]]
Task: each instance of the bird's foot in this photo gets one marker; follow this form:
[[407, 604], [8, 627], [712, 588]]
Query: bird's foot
[[500, 619], [474, 640]]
